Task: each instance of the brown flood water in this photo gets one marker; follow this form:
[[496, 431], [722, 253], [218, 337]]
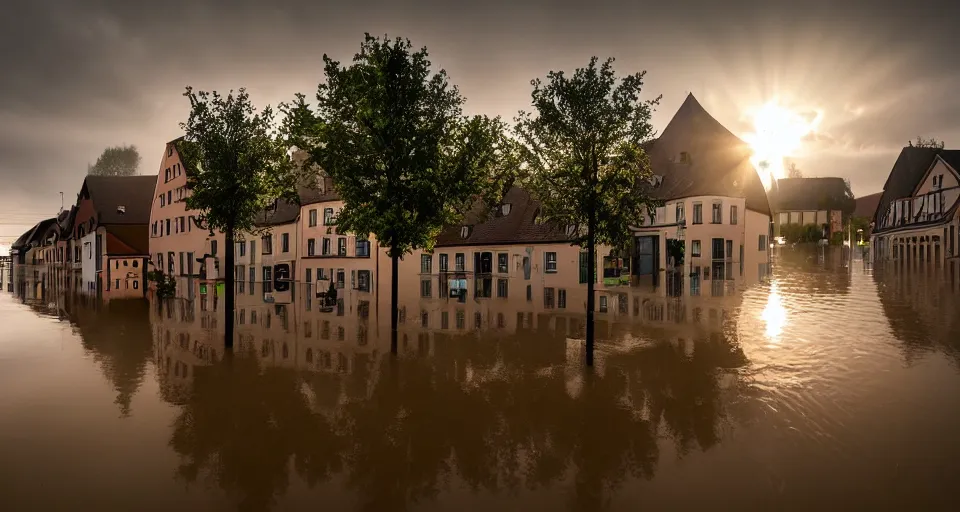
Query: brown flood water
[[824, 389]]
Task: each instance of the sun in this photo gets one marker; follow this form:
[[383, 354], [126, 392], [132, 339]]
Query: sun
[[778, 133]]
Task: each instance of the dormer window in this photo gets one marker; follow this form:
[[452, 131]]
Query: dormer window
[[505, 209], [121, 209], [571, 229], [656, 180], [169, 150], [684, 157], [464, 231]]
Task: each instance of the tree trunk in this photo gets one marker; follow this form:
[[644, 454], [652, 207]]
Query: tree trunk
[[591, 277], [394, 292], [230, 284]]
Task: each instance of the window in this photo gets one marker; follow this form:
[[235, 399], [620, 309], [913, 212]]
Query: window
[[182, 261], [166, 175], [550, 262], [444, 320], [325, 247], [213, 247], [136, 285], [169, 150], [458, 262], [163, 200], [328, 219], [313, 217], [502, 288], [285, 242], [695, 249], [426, 264], [267, 242], [681, 213], [253, 278], [117, 284], [167, 224], [342, 246], [253, 251], [733, 214], [309, 276], [135, 263], [502, 265], [362, 248], [697, 213], [242, 249], [684, 157], [762, 245], [461, 320], [311, 247], [341, 277], [363, 280], [425, 288], [464, 231], [529, 292], [548, 298], [267, 279], [444, 262], [717, 213], [169, 197], [561, 298], [603, 303]]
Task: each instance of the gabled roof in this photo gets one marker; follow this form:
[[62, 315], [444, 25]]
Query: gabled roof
[[517, 227], [867, 205], [909, 169], [806, 194], [66, 223], [134, 193], [36, 236], [719, 161], [127, 240]]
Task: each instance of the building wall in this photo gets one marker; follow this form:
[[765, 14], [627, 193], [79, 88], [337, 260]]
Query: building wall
[[939, 168], [125, 277], [185, 238], [88, 262], [323, 268]]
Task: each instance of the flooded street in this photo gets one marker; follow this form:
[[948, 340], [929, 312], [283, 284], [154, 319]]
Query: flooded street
[[823, 388]]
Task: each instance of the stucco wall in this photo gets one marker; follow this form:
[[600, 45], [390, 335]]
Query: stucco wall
[[939, 168]]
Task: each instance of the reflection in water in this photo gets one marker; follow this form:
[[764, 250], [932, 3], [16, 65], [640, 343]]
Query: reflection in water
[[491, 411], [117, 334], [488, 406], [774, 314]]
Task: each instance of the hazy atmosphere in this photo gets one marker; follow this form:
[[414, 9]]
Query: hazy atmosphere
[[82, 76]]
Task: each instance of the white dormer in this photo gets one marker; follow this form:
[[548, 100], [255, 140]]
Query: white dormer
[[121, 209], [464, 231], [571, 229], [505, 209]]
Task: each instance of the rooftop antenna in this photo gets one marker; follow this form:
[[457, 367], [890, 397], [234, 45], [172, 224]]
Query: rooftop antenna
[[61, 202]]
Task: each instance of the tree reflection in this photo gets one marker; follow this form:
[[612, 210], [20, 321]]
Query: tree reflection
[[117, 333], [499, 414]]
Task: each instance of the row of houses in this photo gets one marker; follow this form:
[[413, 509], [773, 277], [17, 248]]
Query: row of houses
[[715, 226]]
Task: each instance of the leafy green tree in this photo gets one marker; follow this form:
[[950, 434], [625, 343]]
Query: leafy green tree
[[116, 161], [584, 152], [240, 166], [404, 159]]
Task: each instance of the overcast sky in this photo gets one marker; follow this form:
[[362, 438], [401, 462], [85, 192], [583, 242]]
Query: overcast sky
[[79, 76]]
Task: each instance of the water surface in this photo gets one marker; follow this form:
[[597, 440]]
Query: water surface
[[824, 388]]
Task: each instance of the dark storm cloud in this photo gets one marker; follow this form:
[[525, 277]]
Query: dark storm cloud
[[79, 76]]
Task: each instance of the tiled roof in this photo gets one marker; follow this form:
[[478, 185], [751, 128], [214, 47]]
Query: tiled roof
[[517, 227], [134, 193], [127, 240], [796, 194], [867, 205], [719, 162], [906, 174]]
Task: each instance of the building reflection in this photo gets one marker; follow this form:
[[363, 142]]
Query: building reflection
[[922, 306], [491, 393]]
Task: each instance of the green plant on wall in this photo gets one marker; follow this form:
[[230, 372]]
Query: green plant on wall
[[166, 285]]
